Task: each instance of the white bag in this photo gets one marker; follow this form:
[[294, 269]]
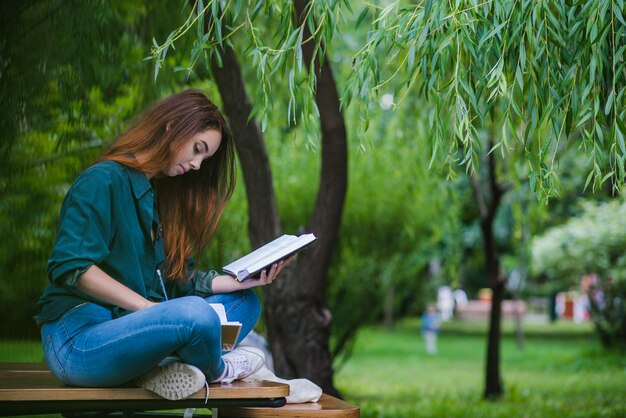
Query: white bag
[[300, 390]]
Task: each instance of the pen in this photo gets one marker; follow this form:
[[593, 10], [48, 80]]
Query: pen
[[162, 284]]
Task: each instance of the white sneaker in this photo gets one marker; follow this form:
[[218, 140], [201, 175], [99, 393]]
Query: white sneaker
[[242, 362], [173, 381]]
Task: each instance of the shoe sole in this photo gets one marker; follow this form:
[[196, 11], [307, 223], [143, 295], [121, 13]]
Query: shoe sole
[[174, 381]]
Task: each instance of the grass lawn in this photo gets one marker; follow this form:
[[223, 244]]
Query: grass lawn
[[561, 372]]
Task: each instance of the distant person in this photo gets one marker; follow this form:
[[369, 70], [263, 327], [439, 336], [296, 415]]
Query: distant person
[[581, 303], [552, 307], [445, 302], [460, 298], [124, 294], [430, 328]]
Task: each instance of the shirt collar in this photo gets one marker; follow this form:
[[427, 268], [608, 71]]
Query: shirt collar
[[139, 183]]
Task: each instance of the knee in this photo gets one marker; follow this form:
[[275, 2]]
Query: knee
[[253, 304], [195, 312]]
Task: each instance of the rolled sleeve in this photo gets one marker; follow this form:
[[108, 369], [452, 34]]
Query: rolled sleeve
[[200, 283], [70, 280], [203, 283], [84, 229]]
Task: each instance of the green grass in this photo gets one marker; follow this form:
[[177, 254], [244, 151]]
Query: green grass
[[561, 372]]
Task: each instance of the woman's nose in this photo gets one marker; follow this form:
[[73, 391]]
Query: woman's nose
[[195, 164]]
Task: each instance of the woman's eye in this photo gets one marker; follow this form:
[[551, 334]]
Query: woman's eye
[[196, 149]]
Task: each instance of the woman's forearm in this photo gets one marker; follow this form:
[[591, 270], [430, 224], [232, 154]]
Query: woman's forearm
[[227, 284], [96, 283]]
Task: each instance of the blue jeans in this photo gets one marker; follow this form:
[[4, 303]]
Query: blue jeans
[[88, 347]]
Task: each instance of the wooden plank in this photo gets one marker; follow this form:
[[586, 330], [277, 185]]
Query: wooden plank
[[52, 390], [127, 407], [328, 406], [30, 382]]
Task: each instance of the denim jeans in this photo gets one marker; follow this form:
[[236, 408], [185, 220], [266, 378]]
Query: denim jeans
[[88, 347]]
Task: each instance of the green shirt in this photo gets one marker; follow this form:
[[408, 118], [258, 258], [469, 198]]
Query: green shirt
[[107, 219]]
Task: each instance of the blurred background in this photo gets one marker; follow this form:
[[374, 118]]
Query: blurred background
[[440, 212]]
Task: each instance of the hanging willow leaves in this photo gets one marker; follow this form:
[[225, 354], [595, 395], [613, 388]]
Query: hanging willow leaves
[[550, 75], [553, 71], [268, 33]]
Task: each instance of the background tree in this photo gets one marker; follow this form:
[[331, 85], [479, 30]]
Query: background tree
[[298, 321], [60, 82], [592, 245], [71, 77], [548, 75]]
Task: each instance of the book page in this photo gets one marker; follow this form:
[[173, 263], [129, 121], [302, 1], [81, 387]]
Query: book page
[[268, 254], [221, 313], [240, 265], [281, 252]]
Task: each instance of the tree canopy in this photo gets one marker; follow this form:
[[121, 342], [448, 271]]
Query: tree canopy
[[594, 242], [547, 74]]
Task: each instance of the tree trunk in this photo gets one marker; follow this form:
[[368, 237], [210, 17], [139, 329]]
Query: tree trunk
[[493, 380], [297, 320], [263, 217], [488, 209]]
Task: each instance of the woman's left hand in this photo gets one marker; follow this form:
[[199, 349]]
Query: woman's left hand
[[226, 284], [267, 276]]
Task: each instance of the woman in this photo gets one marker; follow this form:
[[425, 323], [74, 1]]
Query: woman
[[123, 292]]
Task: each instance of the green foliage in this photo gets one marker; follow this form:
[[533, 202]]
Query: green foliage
[[592, 243], [30, 206], [608, 312], [398, 219], [271, 38], [549, 74], [71, 77]]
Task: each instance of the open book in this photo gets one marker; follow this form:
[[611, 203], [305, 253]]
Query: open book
[[230, 329], [270, 253]]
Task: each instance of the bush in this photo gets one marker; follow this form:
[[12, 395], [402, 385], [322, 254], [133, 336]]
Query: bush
[[608, 313], [594, 242]]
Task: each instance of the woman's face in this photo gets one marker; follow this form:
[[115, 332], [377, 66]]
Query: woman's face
[[198, 148]]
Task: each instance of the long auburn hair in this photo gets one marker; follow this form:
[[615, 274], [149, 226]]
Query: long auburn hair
[[189, 205]]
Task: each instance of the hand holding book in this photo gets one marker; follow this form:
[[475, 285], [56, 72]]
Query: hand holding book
[[268, 275], [268, 257]]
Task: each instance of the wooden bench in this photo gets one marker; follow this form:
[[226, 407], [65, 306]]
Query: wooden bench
[[29, 388], [328, 406]]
